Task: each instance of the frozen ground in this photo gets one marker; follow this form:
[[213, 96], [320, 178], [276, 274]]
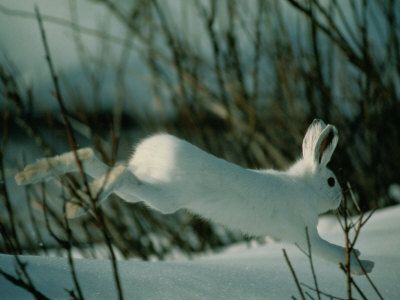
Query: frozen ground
[[238, 273]]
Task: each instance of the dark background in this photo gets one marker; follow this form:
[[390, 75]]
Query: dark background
[[240, 79]]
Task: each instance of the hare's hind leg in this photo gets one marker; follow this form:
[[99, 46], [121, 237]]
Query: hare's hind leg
[[121, 181], [111, 181], [61, 164]]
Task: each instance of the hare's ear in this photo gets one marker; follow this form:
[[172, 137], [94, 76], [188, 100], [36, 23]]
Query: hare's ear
[[326, 145], [311, 138], [319, 142]]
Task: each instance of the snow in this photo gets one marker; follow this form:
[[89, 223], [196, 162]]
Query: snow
[[394, 192], [240, 272]]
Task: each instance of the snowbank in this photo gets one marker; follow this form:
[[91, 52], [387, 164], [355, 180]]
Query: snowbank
[[238, 273]]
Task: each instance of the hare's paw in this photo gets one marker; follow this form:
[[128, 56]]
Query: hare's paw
[[46, 168], [362, 267], [74, 210], [78, 204], [33, 173]]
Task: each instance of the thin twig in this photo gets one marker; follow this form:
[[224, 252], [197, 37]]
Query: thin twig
[[309, 295], [352, 282], [71, 139], [21, 283], [293, 274], [34, 221], [347, 267], [65, 244], [8, 204], [69, 254], [369, 279], [312, 264], [73, 145], [23, 280], [321, 292]]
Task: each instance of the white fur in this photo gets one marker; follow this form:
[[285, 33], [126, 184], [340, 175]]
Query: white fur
[[254, 202], [170, 174]]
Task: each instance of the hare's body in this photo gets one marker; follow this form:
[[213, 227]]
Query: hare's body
[[170, 174], [257, 203]]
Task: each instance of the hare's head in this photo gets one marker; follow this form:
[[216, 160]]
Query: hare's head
[[319, 143]]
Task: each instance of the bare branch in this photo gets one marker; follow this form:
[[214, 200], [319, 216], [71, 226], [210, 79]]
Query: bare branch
[[294, 275]]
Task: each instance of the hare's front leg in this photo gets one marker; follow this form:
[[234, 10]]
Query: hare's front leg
[[46, 168], [337, 254]]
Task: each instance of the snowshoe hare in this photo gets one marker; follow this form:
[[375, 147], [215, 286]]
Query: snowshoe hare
[[170, 174]]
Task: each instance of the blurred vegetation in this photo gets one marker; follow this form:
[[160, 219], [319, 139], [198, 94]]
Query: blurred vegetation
[[243, 85]]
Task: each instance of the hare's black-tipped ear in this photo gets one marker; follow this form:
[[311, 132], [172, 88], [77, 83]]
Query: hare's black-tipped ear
[[311, 138], [326, 145]]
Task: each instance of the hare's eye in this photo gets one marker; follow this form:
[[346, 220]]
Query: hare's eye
[[331, 181]]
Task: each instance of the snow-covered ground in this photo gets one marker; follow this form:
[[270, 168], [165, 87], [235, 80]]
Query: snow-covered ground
[[239, 272]]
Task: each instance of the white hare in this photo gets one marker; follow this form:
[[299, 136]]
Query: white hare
[[170, 174]]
